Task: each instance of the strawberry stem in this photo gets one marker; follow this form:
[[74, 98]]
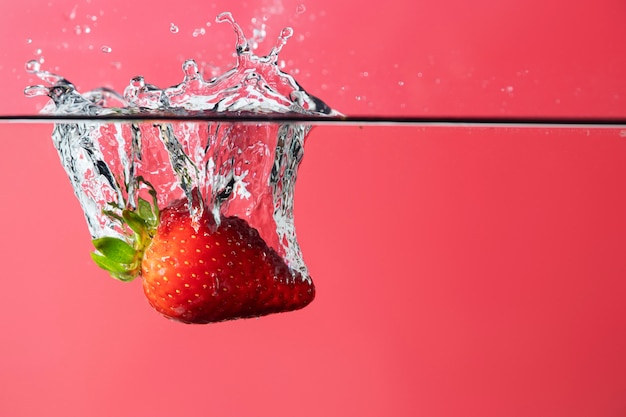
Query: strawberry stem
[[122, 258]]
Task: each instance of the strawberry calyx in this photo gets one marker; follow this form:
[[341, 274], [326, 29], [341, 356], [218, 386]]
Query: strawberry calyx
[[122, 257]]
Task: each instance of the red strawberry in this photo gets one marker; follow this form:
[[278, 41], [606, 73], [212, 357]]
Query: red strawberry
[[204, 274]]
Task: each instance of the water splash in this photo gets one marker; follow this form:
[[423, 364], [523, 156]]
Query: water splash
[[239, 169]]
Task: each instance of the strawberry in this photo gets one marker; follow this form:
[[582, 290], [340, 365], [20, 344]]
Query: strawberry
[[201, 272]]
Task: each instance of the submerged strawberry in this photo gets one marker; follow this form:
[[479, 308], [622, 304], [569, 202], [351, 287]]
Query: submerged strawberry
[[202, 273]]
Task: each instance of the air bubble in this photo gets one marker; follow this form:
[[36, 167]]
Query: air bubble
[[173, 28], [106, 49], [301, 8]]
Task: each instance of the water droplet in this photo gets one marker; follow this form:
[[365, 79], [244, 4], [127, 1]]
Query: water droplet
[[32, 66], [72, 14], [242, 43], [190, 68], [401, 83], [173, 28], [36, 90], [106, 49], [198, 32], [38, 51], [225, 17], [137, 81], [301, 8], [87, 29], [286, 33]]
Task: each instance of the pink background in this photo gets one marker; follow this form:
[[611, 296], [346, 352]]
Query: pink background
[[460, 271], [452, 57]]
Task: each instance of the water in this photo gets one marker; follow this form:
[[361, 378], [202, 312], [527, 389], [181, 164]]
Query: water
[[243, 170]]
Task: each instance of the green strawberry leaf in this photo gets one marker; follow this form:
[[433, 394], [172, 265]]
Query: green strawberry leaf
[[117, 270], [115, 250], [121, 258], [113, 215], [155, 201], [154, 207], [135, 222], [145, 211]]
